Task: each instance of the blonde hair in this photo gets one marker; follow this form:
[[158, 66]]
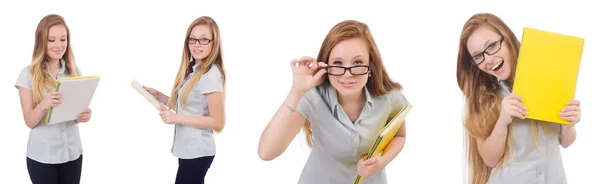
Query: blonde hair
[[215, 57], [480, 90], [378, 84], [39, 75]]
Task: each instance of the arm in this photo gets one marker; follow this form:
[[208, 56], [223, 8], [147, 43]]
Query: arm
[[395, 146], [216, 119], [567, 135], [32, 115], [282, 128], [491, 149], [162, 98]]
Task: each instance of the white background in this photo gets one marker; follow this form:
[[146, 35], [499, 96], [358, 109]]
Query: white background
[[126, 142]]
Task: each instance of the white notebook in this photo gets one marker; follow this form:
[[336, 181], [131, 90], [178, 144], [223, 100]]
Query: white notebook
[[138, 87], [77, 93]]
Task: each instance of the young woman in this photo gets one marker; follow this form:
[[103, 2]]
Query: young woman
[[54, 151], [503, 146], [197, 98], [341, 112]]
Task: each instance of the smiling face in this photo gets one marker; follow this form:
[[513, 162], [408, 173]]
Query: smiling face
[[200, 42], [489, 53], [349, 53], [57, 42]]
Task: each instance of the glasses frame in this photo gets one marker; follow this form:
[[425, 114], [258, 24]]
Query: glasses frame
[[348, 69], [487, 52], [191, 40]]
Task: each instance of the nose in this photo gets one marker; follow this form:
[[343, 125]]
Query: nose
[[347, 73]]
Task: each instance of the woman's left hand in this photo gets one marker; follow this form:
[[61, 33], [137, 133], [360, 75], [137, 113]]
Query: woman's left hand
[[168, 116], [367, 168], [572, 112], [84, 116]]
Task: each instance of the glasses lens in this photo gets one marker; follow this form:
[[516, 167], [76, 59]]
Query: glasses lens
[[359, 70], [334, 70]]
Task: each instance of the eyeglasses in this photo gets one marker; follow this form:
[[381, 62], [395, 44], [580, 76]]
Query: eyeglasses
[[354, 70], [490, 50], [202, 41]]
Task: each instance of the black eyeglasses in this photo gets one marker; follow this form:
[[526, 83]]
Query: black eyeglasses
[[354, 70], [202, 41], [490, 50]]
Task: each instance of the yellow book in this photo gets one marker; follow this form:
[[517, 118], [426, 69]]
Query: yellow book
[[77, 93], [546, 74], [140, 89], [386, 135]]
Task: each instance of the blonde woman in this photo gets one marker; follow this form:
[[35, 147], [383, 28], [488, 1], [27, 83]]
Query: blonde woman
[[197, 99], [503, 146], [54, 151], [343, 99]]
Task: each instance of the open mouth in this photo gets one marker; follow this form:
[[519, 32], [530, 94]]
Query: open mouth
[[498, 66], [197, 51]]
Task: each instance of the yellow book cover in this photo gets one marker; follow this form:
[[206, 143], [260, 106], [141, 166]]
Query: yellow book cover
[[386, 135], [546, 74]]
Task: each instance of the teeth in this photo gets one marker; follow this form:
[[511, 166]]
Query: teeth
[[494, 68], [197, 51]]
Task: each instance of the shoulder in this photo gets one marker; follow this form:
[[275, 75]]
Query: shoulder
[[396, 96]]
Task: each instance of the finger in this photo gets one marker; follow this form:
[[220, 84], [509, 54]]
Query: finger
[[322, 64], [514, 111], [518, 104], [162, 108], [516, 97], [571, 108], [319, 74], [570, 118], [294, 62], [569, 114], [574, 103], [371, 161]]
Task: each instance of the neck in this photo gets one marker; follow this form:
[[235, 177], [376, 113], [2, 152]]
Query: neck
[[358, 98], [54, 63]]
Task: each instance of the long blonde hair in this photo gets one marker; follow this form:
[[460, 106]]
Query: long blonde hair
[[378, 84], [215, 57], [42, 82], [480, 90]]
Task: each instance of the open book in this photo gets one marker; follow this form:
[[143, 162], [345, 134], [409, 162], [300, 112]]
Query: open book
[[149, 97], [386, 135], [546, 74], [77, 93]]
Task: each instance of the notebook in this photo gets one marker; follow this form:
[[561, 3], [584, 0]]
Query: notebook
[[546, 74], [77, 93], [386, 135], [149, 97]]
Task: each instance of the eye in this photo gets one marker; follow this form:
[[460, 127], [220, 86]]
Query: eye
[[62, 40], [493, 46], [337, 62], [477, 57], [51, 40], [358, 62]]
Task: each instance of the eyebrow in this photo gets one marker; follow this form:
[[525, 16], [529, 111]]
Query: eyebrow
[[485, 47], [357, 56], [202, 35]]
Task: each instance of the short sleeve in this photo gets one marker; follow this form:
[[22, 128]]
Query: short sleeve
[[305, 105], [24, 80], [397, 101], [211, 81]]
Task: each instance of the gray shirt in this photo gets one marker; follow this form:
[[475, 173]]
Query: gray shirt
[[190, 142], [528, 166], [338, 143], [55, 143]]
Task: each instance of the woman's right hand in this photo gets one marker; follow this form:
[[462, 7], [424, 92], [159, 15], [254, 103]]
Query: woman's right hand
[[512, 107], [307, 74], [152, 91], [52, 99]]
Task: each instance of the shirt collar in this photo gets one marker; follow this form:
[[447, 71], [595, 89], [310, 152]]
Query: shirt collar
[[62, 66]]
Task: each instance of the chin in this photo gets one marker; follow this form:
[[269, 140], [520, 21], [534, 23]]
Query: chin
[[347, 91]]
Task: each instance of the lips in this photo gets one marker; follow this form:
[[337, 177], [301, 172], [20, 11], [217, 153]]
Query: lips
[[347, 84], [498, 66], [197, 51]]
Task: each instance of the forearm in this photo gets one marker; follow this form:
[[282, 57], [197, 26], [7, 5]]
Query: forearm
[[34, 116], [393, 149], [281, 130], [492, 149], [204, 122], [567, 135], [162, 98]]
